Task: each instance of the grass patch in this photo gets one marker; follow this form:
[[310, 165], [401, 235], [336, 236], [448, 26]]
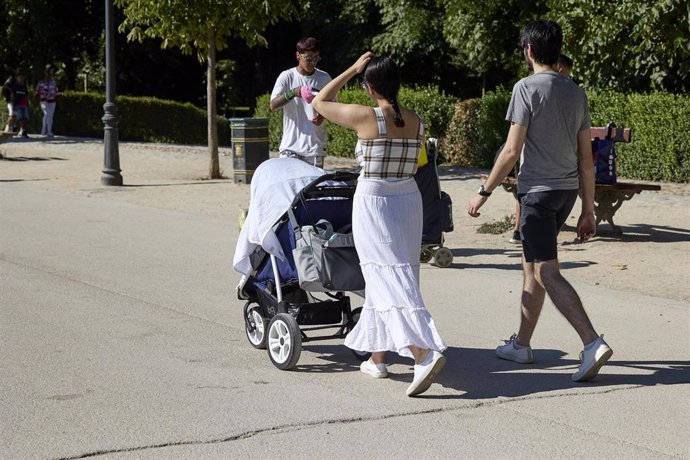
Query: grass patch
[[497, 227]]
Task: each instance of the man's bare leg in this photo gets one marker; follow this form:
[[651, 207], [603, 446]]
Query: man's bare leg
[[565, 298], [531, 304]]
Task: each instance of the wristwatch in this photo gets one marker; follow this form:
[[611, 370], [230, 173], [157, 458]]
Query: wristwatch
[[483, 192]]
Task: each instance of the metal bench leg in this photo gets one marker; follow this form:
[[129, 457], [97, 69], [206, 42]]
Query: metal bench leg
[[606, 203]]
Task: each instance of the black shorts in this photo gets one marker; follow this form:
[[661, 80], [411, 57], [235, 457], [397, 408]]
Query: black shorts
[[542, 214]]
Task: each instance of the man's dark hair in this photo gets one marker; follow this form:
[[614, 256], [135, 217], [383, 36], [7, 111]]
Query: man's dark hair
[[546, 38], [308, 44]]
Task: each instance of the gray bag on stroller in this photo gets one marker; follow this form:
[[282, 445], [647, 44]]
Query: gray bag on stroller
[[326, 260]]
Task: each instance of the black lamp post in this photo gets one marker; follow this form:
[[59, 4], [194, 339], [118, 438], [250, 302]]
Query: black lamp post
[[111, 159]]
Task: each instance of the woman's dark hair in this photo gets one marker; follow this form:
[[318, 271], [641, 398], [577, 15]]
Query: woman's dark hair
[[546, 39], [383, 75]]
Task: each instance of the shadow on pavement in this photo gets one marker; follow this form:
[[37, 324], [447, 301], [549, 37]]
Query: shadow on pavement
[[646, 233], [223, 180], [637, 233], [478, 374], [462, 259], [33, 158], [21, 180], [481, 375]]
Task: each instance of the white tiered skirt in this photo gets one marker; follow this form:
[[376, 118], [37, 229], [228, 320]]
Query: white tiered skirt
[[387, 228]]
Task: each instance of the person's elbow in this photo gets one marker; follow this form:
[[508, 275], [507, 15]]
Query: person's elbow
[[511, 153], [317, 104], [273, 104]]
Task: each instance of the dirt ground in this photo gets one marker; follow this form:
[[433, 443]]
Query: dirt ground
[[651, 257]]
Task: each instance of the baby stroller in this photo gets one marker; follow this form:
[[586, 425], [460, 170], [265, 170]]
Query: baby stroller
[[437, 209], [280, 315]]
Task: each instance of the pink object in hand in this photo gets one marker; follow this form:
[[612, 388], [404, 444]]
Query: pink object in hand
[[306, 93]]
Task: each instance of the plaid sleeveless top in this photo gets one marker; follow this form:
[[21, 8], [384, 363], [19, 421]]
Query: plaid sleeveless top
[[384, 158]]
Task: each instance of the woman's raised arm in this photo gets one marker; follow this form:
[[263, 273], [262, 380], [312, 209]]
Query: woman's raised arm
[[348, 115]]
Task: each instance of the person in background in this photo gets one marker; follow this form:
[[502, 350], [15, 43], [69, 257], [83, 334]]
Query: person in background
[[564, 66], [7, 95], [550, 130], [47, 92], [20, 103], [387, 223], [304, 133]]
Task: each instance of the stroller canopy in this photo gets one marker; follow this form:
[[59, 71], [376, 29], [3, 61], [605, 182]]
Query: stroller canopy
[[274, 186]]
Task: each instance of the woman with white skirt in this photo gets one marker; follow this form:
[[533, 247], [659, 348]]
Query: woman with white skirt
[[387, 223]]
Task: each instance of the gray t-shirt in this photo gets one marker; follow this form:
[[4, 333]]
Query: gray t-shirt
[[554, 110]]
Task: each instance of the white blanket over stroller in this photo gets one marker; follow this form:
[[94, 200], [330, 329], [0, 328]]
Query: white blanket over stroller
[[274, 186]]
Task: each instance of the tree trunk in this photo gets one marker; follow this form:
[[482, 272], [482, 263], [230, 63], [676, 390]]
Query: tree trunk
[[214, 166]]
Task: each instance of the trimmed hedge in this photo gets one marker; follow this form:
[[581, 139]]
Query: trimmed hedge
[[144, 119], [470, 131], [660, 150], [435, 108]]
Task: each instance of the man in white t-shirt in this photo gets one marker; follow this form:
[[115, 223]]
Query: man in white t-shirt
[[304, 131]]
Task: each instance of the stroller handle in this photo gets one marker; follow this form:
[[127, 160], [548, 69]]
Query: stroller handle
[[320, 187], [339, 184]]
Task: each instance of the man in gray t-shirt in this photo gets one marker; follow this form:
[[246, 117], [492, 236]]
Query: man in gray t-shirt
[[554, 110], [550, 135]]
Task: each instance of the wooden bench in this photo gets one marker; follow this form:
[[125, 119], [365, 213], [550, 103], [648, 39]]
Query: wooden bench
[[607, 198]]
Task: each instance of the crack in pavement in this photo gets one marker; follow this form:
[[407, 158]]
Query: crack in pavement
[[345, 421]]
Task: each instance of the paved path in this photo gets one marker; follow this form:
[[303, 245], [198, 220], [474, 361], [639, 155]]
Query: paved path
[[121, 337]]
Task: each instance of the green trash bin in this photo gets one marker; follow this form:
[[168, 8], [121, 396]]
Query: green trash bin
[[249, 140]]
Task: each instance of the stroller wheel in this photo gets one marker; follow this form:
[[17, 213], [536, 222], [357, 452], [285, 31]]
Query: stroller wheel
[[443, 257], [426, 255], [284, 341], [255, 327]]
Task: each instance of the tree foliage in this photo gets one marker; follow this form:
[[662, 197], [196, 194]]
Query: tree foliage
[[203, 27], [413, 32], [185, 25], [461, 46], [485, 34], [36, 33], [635, 45]]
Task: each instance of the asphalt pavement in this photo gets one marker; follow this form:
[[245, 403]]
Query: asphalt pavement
[[121, 337]]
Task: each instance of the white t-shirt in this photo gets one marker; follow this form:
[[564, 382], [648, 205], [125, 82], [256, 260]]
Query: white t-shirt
[[300, 135]]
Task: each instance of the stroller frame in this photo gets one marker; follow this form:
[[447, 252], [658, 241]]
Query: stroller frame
[[278, 314]]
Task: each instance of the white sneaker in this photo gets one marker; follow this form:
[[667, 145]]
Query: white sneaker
[[378, 371], [516, 238], [425, 373], [591, 360], [519, 355]]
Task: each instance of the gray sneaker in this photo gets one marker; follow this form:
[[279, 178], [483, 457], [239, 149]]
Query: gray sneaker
[[509, 352], [591, 360]]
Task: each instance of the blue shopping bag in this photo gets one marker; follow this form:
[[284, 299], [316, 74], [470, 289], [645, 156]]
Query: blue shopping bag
[[604, 156]]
